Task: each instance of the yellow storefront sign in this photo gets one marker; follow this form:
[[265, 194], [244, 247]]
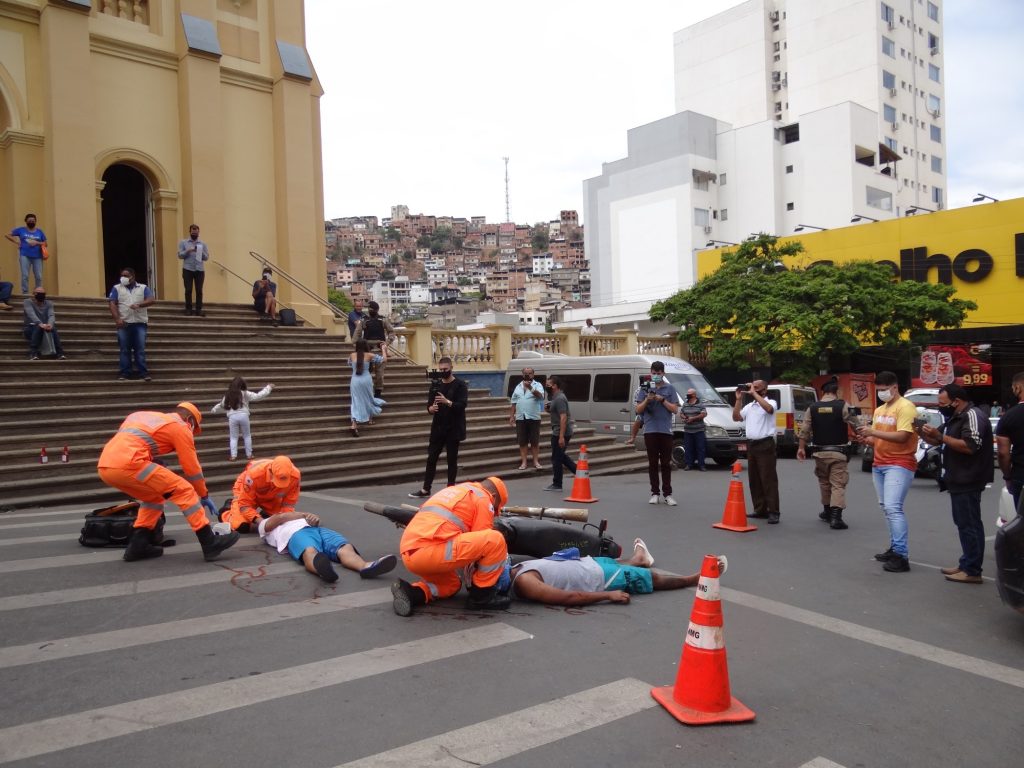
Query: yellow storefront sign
[[978, 250]]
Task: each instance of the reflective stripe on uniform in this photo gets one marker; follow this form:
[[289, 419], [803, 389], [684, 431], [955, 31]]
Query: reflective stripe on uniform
[[489, 568], [432, 587], [148, 470], [139, 433], [447, 514], [150, 505], [197, 507], [193, 478], [449, 546]]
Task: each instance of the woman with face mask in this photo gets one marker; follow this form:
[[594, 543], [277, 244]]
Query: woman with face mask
[[264, 296]]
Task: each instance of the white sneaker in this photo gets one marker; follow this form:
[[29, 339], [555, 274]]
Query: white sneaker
[[654, 499], [670, 501]]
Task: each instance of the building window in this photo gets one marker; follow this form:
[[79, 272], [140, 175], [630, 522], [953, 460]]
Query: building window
[[721, 180], [937, 195], [888, 47], [777, 57], [933, 73], [888, 113], [791, 133], [789, 206], [934, 104], [701, 217], [888, 14], [778, 106], [879, 198], [789, 169], [724, 214], [933, 11], [891, 144], [936, 133], [776, 46], [933, 41], [936, 164], [888, 79]]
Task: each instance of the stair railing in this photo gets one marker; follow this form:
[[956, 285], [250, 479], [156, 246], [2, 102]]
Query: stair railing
[[226, 268]]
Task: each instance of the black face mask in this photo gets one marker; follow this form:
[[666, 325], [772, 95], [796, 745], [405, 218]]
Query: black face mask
[[40, 297], [446, 374], [947, 410]]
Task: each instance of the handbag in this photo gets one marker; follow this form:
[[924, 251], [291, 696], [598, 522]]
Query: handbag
[[45, 250]]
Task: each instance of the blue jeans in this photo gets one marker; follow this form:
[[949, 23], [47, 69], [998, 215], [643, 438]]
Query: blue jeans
[[36, 265], [967, 517], [891, 485], [560, 459], [5, 291], [34, 335], [695, 446], [131, 338]]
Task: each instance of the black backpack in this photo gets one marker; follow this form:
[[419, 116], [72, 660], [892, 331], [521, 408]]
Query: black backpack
[[112, 526]]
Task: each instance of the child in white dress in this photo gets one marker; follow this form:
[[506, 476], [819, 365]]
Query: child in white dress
[[236, 404]]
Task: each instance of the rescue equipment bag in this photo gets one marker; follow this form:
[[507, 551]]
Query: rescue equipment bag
[[112, 527]]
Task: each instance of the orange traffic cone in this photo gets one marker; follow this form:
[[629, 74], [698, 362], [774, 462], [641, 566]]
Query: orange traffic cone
[[701, 694], [734, 516], [581, 484]]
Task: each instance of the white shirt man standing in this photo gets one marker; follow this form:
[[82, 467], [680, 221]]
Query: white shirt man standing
[[758, 416]]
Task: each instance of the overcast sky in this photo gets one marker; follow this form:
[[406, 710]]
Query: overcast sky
[[423, 99]]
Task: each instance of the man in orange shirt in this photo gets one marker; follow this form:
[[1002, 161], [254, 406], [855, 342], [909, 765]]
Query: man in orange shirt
[[451, 531], [270, 486], [892, 433], [129, 463]]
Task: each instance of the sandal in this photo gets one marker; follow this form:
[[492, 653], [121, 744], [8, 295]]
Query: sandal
[[639, 544]]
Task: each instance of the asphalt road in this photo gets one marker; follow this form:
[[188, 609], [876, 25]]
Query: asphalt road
[[250, 661]]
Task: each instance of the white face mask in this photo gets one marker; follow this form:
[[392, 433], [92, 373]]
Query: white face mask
[[885, 395], [125, 281], [266, 275]]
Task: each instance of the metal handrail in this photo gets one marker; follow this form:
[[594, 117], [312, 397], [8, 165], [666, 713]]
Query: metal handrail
[[245, 280], [318, 299]]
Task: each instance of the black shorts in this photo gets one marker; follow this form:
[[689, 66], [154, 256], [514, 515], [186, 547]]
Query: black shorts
[[528, 431]]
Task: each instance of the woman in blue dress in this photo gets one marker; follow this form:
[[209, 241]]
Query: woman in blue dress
[[364, 406]]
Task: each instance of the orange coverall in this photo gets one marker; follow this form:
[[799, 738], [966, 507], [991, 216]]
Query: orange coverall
[[255, 490], [127, 464], [453, 530]]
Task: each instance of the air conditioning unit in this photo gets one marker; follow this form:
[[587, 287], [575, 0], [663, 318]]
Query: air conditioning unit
[[935, 51], [776, 77], [894, 126], [707, 229], [892, 91], [776, 87], [937, 113], [892, 24], [773, 15]]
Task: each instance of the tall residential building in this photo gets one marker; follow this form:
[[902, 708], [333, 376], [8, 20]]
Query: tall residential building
[[789, 112], [781, 60]]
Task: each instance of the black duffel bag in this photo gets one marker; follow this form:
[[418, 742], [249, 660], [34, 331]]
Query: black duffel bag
[[112, 527]]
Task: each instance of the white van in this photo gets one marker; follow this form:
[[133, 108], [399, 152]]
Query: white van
[[793, 401], [600, 391]]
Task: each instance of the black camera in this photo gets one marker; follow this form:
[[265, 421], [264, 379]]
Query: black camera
[[646, 385], [435, 377]]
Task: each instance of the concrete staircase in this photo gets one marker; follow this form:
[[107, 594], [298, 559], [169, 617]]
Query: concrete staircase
[[78, 402]]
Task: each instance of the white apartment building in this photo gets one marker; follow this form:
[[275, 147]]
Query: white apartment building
[[790, 112]]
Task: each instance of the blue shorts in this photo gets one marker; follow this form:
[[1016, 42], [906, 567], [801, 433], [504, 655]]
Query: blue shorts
[[628, 578], [321, 539]]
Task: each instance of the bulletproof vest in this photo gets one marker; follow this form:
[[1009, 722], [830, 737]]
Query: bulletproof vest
[[373, 329], [827, 423]]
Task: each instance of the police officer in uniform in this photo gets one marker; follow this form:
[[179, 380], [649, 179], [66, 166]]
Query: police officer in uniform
[[825, 425], [377, 331]]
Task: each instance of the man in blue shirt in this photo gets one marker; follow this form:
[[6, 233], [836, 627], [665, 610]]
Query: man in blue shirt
[[193, 252], [29, 240], [524, 415], [354, 317], [657, 405]]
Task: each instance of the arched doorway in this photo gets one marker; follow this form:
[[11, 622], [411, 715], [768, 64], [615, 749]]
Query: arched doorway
[[128, 225]]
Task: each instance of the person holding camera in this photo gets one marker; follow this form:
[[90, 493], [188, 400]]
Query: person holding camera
[[657, 404], [524, 415], [758, 416], [264, 295], [447, 403], [695, 442]]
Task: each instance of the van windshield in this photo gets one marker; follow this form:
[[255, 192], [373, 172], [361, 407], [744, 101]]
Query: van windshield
[[706, 394]]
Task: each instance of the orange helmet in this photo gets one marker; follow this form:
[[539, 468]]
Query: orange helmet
[[194, 412], [499, 484], [282, 471]]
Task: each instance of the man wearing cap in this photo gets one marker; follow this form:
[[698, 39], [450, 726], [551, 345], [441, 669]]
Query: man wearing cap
[[454, 530], [695, 443], [129, 464], [265, 487], [378, 332]]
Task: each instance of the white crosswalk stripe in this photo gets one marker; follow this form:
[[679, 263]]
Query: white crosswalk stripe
[[509, 735], [68, 537], [59, 733], [87, 558]]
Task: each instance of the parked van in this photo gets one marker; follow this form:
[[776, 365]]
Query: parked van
[[601, 392], [793, 401]]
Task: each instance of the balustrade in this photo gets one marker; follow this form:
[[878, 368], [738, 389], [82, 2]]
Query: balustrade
[[130, 10]]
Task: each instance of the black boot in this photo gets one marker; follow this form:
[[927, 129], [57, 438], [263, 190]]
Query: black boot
[[214, 544], [378, 393], [836, 519], [141, 546], [487, 599], [405, 597], [826, 513]]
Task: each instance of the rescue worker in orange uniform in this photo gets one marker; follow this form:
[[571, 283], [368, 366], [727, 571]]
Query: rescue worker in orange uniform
[[267, 486], [129, 464], [452, 531]]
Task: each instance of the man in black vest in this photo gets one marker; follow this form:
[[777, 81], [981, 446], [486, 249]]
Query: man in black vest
[[378, 331], [448, 426], [825, 425]]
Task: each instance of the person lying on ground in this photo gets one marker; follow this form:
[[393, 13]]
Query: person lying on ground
[[316, 547]]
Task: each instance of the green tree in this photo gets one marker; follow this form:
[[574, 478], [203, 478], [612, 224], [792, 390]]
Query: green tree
[[760, 308], [441, 240], [387, 274], [408, 255], [393, 234], [539, 238], [339, 299]]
